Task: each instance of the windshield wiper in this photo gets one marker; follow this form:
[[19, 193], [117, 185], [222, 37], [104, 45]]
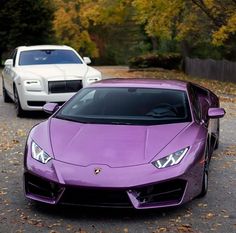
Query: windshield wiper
[[160, 115], [119, 123]]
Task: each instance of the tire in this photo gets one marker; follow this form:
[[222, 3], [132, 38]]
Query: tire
[[6, 97], [218, 134], [205, 175], [19, 111]]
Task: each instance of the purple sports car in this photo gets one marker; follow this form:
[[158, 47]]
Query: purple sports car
[[124, 143]]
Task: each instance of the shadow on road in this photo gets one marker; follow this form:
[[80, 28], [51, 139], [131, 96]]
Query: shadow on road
[[36, 115], [93, 213]]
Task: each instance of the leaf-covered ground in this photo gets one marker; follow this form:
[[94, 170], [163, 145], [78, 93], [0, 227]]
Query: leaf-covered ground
[[226, 90]]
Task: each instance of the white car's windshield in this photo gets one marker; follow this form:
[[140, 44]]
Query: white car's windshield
[[139, 106], [49, 56]]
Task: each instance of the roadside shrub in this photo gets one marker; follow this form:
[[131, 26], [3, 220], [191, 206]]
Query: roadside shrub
[[167, 61]]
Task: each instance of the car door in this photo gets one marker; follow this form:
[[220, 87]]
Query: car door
[[9, 73], [202, 96]]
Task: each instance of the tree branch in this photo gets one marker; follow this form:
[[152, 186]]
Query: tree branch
[[217, 21]]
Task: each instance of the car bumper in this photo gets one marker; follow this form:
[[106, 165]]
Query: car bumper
[[34, 101], [143, 186]]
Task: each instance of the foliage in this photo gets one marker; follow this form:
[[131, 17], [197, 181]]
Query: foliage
[[71, 26], [76, 20], [159, 17], [25, 22], [106, 12], [117, 43], [191, 22], [114, 30], [167, 61], [222, 14]]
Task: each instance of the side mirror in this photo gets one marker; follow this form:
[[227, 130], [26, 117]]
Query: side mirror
[[50, 108], [87, 60], [216, 113], [9, 62]]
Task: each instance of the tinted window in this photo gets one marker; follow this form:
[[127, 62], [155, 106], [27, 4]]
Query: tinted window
[[204, 104], [139, 106], [43, 57], [195, 104]]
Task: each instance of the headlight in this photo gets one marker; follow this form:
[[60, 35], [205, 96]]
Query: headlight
[[39, 155], [32, 85], [171, 159], [93, 79]]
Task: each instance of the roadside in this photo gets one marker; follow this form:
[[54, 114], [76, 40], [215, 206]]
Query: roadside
[[226, 90]]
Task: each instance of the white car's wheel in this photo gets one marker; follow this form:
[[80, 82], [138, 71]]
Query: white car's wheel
[[19, 111], [6, 97]]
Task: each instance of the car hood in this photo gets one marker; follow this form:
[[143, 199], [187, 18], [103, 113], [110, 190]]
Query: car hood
[[112, 145], [54, 71]]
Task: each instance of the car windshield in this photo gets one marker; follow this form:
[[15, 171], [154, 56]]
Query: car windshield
[[124, 105], [49, 56]]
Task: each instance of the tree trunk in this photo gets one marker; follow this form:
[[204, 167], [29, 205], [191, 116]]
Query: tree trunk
[[154, 43], [185, 51], [185, 48]]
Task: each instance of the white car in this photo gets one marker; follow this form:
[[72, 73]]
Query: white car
[[36, 75]]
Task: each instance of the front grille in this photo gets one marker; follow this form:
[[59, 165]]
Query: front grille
[[96, 197], [170, 192], [64, 86], [166, 193]]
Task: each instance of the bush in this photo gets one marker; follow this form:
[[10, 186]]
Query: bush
[[167, 61]]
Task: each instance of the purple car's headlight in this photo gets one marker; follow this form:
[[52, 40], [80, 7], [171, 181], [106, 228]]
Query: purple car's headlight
[[38, 154], [171, 159]]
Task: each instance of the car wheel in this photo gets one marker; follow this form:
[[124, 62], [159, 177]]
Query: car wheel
[[19, 111], [6, 97], [218, 136], [205, 175]]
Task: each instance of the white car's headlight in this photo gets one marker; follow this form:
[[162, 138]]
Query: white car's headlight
[[93, 79], [39, 155], [32, 85], [171, 159]]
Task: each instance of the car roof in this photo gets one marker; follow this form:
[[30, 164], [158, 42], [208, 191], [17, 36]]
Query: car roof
[[143, 82], [40, 47]]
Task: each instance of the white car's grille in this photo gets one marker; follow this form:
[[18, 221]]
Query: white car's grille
[[64, 86]]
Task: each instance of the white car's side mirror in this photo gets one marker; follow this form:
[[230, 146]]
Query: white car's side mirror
[[9, 62], [87, 60]]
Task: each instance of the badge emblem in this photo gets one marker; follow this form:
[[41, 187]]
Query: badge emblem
[[97, 171]]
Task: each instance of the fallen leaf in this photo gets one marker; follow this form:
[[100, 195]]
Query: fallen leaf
[[209, 216]]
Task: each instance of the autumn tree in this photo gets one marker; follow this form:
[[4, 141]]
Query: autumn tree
[[114, 30], [71, 27], [222, 15], [199, 24]]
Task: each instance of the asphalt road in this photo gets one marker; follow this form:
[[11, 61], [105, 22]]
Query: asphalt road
[[214, 213]]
